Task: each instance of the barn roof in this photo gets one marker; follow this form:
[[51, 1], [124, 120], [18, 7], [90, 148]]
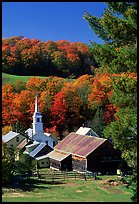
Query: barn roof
[[80, 145], [56, 155], [9, 136]]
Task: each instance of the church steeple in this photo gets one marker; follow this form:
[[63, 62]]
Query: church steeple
[[37, 119], [36, 105]]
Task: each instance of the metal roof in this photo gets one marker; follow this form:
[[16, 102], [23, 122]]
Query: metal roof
[[41, 157], [37, 149], [56, 155], [22, 144], [80, 145], [9, 136], [85, 131], [33, 144]]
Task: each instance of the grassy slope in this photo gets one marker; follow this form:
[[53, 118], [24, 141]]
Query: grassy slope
[[8, 78], [69, 191], [12, 78]]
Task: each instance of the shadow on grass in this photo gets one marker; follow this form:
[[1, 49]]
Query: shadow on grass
[[30, 184]]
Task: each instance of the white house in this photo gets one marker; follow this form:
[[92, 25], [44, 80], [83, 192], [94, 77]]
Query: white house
[[86, 131]]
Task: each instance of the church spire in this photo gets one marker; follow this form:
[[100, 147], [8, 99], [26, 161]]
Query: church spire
[[37, 119], [36, 105]]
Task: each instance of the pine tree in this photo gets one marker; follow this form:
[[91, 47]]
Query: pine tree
[[118, 28]]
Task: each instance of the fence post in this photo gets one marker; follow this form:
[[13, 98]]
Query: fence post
[[85, 177], [75, 175], [64, 175], [53, 175]]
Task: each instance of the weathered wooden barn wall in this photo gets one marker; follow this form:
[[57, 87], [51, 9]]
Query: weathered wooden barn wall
[[78, 163], [55, 164], [64, 165], [104, 159]]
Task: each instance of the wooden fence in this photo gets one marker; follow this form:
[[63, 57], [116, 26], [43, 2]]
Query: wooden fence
[[53, 175]]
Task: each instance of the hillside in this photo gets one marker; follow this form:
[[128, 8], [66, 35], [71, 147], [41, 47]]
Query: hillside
[[23, 56], [8, 78]]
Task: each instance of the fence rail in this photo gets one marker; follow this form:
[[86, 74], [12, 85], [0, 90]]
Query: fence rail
[[61, 175]]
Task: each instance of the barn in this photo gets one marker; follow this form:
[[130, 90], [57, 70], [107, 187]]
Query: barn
[[85, 153]]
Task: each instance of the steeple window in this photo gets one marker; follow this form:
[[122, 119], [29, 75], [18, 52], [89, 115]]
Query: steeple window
[[37, 119]]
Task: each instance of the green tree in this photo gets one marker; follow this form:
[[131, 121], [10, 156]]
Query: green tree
[[118, 28], [25, 165], [97, 123], [8, 159]]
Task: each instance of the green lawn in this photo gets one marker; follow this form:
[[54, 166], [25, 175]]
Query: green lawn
[[68, 191], [12, 78], [8, 78]]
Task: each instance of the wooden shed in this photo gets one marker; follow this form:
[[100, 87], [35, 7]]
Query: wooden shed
[[85, 153]]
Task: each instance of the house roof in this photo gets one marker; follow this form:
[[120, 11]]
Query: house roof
[[41, 157], [85, 131], [56, 155], [22, 144], [9, 136], [37, 149], [80, 145], [33, 144]]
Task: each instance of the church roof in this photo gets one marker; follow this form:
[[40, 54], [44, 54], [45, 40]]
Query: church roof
[[80, 145], [86, 131], [9, 136], [37, 149], [47, 134]]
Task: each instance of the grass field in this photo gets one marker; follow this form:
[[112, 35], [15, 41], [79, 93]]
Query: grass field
[[66, 191], [8, 78]]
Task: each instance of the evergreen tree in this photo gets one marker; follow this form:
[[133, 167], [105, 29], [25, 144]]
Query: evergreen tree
[[118, 28]]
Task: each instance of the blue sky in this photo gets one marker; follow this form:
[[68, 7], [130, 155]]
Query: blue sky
[[50, 20]]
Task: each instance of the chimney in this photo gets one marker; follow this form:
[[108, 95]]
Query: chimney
[[83, 125]]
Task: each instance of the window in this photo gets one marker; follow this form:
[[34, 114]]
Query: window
[[42, 163], [17, 139], [38, 119]]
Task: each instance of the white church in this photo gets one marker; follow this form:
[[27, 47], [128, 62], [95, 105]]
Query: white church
[[38, 143]]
